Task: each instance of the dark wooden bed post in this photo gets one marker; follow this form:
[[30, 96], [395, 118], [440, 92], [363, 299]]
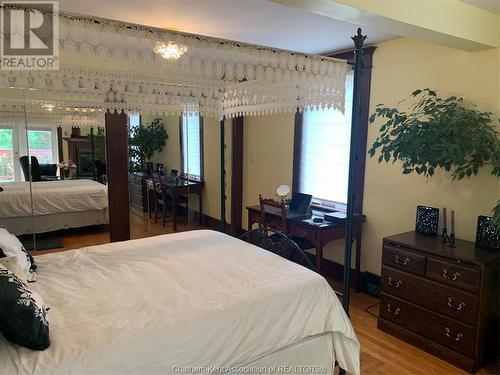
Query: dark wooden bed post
[[117, 172], [222, 178], [358, 39]]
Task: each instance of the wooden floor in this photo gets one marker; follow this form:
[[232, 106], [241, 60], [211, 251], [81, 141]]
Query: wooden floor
[[380, 352]]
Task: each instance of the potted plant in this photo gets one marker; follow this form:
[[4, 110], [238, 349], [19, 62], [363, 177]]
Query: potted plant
[[144, 141], [437, 133], [67, 169]]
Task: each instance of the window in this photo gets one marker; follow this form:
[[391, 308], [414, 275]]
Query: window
[[6, 154], [324, 153], [41, 145], [134, 120], [192, 146]]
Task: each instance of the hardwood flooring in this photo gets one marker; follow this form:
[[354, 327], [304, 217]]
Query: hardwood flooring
[[380, 352]]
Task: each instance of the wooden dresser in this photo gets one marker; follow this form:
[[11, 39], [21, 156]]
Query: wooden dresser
[[138, 197], [443, 300]]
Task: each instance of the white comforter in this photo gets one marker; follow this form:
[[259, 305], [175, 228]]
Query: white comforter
[[197, 298], [52, 197]]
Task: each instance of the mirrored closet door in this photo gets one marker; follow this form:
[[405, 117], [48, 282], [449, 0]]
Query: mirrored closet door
[[66, 150], [174, 174], [16, 207]]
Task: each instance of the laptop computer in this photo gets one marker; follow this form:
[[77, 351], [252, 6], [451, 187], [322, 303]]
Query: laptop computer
[[300, 203]]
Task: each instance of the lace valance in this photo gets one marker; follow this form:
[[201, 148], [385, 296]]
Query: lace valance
[[112, 65]]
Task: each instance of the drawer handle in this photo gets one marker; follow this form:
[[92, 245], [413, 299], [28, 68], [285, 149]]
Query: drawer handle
[[402, 261], [397, 284], [458, 336], [447, 276], [395, 312], [458, 307]]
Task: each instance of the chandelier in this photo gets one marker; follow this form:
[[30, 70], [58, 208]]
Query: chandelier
[[170, 50]]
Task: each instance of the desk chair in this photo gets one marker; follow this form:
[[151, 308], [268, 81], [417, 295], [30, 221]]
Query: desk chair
[[279, 228], [160, 198]]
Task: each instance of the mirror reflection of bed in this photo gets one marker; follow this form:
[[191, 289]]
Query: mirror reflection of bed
[[53, 176]]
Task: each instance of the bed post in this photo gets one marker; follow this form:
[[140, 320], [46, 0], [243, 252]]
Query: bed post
[[222, 178], [358, 39]]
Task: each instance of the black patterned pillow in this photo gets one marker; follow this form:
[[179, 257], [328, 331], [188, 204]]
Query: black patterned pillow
[[23, 317], [24, 265]]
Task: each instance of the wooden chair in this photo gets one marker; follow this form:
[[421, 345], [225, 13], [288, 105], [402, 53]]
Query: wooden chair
[[160, 198], [274, 225], [281, 224]]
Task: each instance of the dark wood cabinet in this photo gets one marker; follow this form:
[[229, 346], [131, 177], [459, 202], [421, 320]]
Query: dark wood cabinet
[[443, 300], [138, 191]]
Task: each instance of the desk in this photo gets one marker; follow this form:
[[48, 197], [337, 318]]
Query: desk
[[319, 234], [174, 190]]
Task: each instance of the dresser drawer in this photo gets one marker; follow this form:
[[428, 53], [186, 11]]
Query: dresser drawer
[[440, 298], [304, 232], [402, 259], [463, 277], [442, 330]]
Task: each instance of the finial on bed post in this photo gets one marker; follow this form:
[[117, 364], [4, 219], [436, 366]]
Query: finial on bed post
[[358, 40]]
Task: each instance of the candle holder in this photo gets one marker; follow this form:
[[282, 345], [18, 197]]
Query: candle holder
[[448, 238]]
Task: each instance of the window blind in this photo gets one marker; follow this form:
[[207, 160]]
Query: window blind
[[191, 145], [324, 156]]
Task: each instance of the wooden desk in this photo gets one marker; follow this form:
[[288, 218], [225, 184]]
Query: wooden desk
[[174, 190], [318, 233]]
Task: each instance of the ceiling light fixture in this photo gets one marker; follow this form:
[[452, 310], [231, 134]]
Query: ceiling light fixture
[[170, 50], [49, 107]]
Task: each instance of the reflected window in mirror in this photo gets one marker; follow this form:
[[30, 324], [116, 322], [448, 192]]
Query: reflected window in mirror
[[42, 143], [8, 171], [191, 134], [134, 121], [324, 154], [15, 142]]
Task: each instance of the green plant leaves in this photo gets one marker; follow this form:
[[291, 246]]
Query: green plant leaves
[[144, 141], [437, 133]]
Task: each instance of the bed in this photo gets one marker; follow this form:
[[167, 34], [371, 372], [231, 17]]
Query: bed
[[184, 303], [56, 205]]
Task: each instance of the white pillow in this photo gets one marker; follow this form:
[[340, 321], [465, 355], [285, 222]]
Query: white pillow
[[17, 266], [22, 266]]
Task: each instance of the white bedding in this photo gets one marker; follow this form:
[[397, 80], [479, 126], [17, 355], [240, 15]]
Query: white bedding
[[52, 197], [197, 298]]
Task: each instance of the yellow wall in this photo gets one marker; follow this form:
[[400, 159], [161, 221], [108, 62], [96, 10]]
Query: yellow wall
[[400, 66], [267, 157], [390, 198]]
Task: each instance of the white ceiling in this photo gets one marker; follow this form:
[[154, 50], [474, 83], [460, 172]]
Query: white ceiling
[[252, 21], [489, 5]]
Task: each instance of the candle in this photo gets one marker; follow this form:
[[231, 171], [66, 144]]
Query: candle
[[444, 218], [452, 221]]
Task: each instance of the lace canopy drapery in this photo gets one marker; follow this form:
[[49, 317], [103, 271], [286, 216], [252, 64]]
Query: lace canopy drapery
[[113, 65]]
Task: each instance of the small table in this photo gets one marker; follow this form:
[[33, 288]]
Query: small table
[[175, 189], [319, 234]]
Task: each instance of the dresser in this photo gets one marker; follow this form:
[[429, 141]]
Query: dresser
[[137, 185], [443, 300]]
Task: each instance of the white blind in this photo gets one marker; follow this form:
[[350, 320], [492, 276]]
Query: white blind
[[191, 145], [134, 120], [324, 157]]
